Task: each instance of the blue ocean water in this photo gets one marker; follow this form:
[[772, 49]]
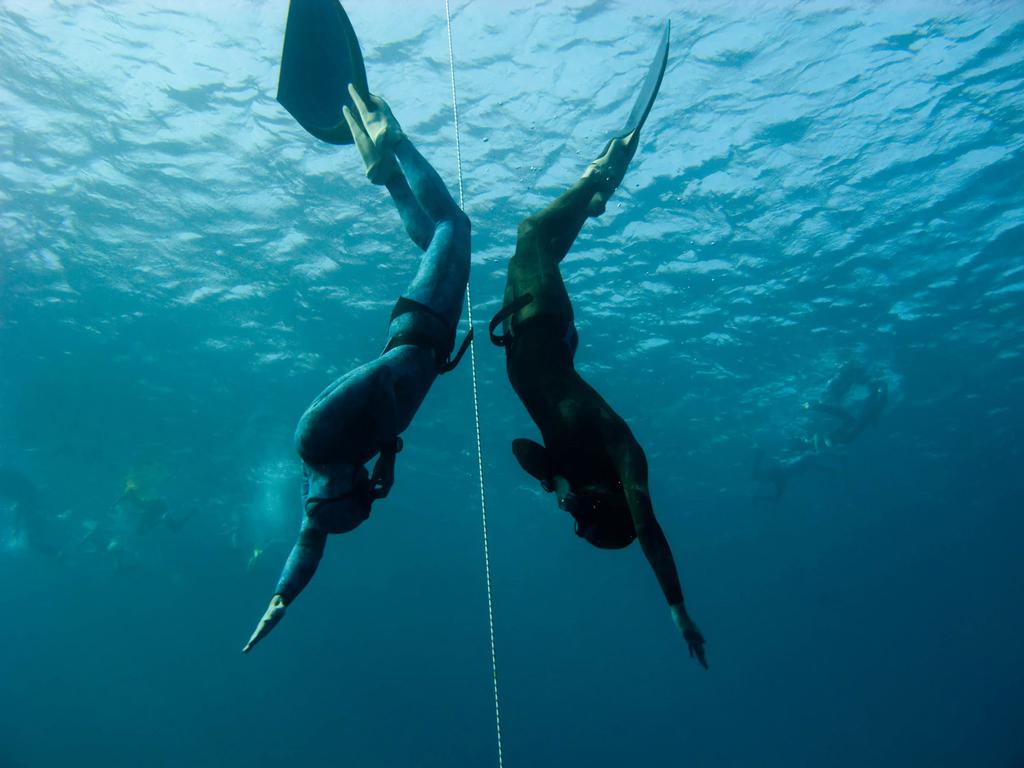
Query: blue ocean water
[[182, 269]]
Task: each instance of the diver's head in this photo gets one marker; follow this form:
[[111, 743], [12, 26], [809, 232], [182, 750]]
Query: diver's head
[[347, 506], [604, 536], [602, 518]]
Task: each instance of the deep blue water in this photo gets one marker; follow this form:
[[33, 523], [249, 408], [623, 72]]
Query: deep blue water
[[182, 269]]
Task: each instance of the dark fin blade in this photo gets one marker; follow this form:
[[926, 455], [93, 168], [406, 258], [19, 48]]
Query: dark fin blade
[[649, 90], [321, 57]]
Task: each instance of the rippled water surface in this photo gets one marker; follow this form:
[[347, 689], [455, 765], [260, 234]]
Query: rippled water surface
[[182, 268]]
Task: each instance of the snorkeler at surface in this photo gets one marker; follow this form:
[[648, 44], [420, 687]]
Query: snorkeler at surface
[[362, 414], [590, 459]]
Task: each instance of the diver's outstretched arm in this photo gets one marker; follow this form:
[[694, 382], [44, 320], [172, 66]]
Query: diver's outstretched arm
[[271, 617], [298, 570], [632, 466]]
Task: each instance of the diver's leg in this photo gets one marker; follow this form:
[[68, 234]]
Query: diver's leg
[[421, 197], [552, 232], [545, 238], [549, 235], [440, 281], [426, 185], [542, 241], [380, 139], [378, 154], [417, 223]]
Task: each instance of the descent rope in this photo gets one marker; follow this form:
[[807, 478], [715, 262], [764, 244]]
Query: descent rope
[[476, 406]]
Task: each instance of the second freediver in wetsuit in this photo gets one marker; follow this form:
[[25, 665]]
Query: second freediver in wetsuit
[[362, 414], [590, 459]]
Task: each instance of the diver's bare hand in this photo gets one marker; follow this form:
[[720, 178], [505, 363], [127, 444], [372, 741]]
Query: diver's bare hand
[[691, 634], [274, 614]]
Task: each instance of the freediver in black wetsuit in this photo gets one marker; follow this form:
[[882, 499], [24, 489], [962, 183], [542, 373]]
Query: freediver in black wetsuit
[[590, 459]]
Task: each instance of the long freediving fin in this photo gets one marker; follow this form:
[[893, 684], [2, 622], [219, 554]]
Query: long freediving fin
[[321, 57], [649, 90]]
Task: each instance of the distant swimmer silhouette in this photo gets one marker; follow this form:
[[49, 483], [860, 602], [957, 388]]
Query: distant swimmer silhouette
[[852, 417], [778, 471], [148, 512], [36, 524], [361, 415], [809, 451], [590, 459]]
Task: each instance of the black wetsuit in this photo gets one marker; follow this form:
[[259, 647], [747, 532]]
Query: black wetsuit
[[585, 441]]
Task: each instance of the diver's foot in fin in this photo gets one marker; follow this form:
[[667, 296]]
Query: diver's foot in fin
[[380, 162], [378, 120], [609, 170]]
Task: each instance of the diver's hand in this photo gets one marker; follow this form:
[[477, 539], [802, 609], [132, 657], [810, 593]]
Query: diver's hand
[[383, 478], [694, 639], [274, 614]]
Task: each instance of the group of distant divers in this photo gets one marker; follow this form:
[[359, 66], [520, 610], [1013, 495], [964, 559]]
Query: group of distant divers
[[587, 458], [38, 524]]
